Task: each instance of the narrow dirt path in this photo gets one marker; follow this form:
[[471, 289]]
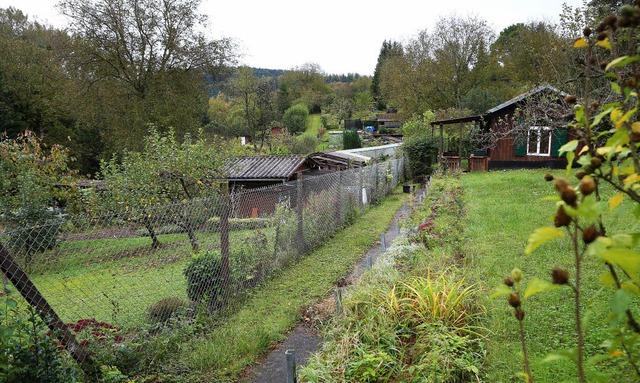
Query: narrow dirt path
[[305, 339]]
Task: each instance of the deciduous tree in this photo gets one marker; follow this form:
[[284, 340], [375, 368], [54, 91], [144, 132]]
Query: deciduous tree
[[32, 178], [437, 69], [141, 62], [295, 118], [142, 185]]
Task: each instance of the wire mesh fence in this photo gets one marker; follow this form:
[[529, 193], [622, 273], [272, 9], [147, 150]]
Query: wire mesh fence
[[131, 267]]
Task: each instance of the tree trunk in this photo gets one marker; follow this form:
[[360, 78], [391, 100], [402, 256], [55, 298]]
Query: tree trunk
[[155, 242], [188, 227]]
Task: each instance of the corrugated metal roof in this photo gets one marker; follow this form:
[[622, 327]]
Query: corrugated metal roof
[[339, 158], [264, 167], [524, 95], [349, 155]]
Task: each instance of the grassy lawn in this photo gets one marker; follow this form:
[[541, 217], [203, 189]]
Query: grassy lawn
[[116, 280], [313, 124], [503, 208]]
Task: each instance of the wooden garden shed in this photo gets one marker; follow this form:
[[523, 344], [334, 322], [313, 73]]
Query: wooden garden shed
[[255, 172], [518, 133]]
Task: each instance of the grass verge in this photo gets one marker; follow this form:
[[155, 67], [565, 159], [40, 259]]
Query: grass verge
[[413, 317], [276, 306]]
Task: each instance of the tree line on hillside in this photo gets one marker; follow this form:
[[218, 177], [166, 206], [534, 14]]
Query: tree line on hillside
[[123, 66], [463, 66]]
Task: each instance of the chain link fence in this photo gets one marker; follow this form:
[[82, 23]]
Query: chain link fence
[[146, 265]]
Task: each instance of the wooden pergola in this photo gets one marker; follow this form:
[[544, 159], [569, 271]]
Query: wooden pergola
[[454, 162]]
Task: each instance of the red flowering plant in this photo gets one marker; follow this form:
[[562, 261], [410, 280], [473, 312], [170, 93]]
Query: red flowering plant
[[105, 343], [89, 331]]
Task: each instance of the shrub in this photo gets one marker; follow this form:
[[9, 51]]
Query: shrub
[[204, 278], [250, 261], [422, 153], [165, 309], [295, 118], [351, 140], [35, 231], [28, 351], [305, 144]]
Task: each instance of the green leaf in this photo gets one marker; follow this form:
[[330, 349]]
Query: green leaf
[[607, 279], [570, 157], [580, 116], [536, 285], [585, 159], [597, 359], [622, 240], [621, 61], [501, 291], [12, 304], [620, 302], [541, 236], [631, 288], [589, 208], [626, 259], [569, 147], [601, 115]]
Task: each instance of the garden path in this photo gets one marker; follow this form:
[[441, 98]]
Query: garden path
[[305, 339]]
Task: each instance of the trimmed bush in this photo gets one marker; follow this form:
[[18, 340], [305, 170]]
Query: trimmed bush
[[295, 118], [351, 140], [422, 152], [204, 278], [165, 309]]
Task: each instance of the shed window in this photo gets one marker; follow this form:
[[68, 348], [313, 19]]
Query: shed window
[[539, 141]]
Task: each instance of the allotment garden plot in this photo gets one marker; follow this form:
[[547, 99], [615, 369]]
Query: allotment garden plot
[[116, 267]]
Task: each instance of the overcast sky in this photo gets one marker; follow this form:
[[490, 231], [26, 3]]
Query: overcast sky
[[342, 36]]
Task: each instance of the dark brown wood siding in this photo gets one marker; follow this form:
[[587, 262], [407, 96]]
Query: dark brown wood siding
[[505, 148]]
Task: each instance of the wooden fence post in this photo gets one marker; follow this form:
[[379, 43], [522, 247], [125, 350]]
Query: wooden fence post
[[441, 150], [339, 198], [360, 189], [32, 295], [302, 247], [224, 238]]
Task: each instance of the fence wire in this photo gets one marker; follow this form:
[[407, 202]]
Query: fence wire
[[138, 266]]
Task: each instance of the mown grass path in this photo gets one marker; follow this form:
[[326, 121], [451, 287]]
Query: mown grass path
[[275, 307]]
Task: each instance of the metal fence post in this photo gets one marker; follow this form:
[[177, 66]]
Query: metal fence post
[[383, 242], [291, 366], [375, 192]]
